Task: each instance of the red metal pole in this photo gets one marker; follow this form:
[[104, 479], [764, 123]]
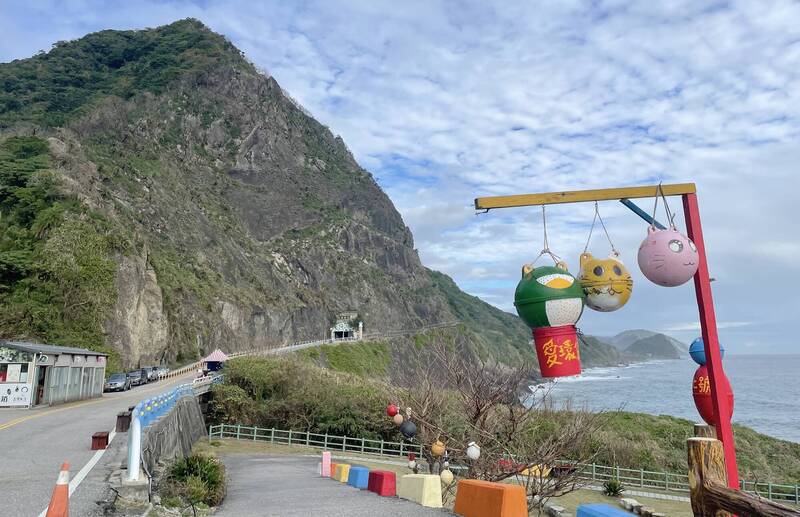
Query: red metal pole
[[708, 324]]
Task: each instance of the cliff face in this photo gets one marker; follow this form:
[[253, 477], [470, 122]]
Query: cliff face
[[222, 215]]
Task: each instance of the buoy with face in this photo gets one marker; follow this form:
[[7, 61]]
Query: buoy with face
[[548, 296], [606, 282], [667, 257]]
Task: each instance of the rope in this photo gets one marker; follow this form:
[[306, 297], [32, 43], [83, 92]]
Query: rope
[[596, 217], [546, 249], [660, 191]]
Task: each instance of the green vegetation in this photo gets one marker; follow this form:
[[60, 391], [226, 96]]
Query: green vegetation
[[363, 358], [293, 394], [56, 275], [195, 480], [54, 87], [613, 488]]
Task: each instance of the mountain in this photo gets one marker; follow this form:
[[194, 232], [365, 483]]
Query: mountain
[[640, 344], [161, 197]]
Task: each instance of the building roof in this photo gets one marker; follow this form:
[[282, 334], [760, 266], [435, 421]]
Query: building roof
[[48, 349], [217, 356]]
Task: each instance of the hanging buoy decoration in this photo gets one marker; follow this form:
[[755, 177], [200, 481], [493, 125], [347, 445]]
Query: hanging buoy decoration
[[667, 257], [473, 451], [392, 410], [398, 419], [408, 429], [701, 393], [437, 449], [606, 282], [446, 476], [550, 301], [548, 296], [697, 351]]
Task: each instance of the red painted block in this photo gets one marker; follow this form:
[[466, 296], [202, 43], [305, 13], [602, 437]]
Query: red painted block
[[99, 440], [382, 482]]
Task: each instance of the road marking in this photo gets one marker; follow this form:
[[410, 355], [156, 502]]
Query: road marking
[[44, 412], [79, 477]]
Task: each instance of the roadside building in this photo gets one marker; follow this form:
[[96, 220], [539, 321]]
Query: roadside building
[[213, 362], [345, 328], [32, 374]]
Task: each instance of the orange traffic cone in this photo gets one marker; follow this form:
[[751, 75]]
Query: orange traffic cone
[[59, 503]]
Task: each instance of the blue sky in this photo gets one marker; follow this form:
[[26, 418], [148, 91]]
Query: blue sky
[[446, 101]]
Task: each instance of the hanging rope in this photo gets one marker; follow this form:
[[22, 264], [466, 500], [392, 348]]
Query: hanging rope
[[594, 220], [546, 249], [660, 192]]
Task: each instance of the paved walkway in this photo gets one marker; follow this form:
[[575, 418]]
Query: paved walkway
[[288, 486]]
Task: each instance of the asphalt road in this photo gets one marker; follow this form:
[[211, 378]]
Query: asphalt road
[[289, 486], [35, 442]]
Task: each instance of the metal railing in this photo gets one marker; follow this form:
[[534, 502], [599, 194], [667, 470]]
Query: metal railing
[[594, 473]]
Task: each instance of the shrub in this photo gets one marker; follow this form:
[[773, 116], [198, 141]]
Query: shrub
[[198, 479], [613, 488]]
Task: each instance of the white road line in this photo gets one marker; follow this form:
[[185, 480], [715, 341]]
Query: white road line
[[76, 481]]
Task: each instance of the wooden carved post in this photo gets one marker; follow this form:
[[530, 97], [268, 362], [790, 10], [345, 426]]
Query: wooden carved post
[[710, 495], [706, 466], [705, 431]]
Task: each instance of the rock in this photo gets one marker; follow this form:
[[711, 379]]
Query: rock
[[628, 503], [645, 511], [554, 511]]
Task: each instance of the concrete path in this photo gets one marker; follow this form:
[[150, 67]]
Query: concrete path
[[35, 442], [288, 486]]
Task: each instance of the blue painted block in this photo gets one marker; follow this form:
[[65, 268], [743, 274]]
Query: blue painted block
[[359, 477], [601, 510]]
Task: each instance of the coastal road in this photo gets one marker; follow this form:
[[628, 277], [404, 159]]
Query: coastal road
[[267, 485], [34, 443]]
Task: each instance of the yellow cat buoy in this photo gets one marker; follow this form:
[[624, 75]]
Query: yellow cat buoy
[[606, 282]]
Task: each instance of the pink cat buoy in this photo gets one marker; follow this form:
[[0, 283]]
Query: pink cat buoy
[[667, 257]]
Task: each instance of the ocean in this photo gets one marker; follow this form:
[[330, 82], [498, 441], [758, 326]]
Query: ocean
[[766, 390]]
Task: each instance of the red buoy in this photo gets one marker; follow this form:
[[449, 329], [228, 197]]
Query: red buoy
[[391, 410], [557, 350], [701, 392]]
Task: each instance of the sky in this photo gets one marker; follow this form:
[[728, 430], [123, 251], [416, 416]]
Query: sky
[[447, 101]]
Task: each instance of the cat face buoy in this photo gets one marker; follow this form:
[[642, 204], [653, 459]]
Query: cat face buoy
[[606, 282], [548, 296], [667, 257]]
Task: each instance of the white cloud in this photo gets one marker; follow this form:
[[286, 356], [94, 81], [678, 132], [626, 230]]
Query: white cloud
[[445, 102], [694, 326]]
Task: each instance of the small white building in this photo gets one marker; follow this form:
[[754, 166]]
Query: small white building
[[343, 328], [33, 373]]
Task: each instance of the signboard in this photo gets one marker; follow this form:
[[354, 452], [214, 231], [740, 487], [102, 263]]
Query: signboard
[[12, 374], [14, 394]]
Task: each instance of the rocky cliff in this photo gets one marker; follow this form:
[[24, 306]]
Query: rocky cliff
[[222, 214]]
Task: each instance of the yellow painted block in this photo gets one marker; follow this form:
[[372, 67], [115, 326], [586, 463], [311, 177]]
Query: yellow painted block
[[424, 489], [342, 472]]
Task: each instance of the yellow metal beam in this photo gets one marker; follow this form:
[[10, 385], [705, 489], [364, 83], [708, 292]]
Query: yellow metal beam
[[579, 196]]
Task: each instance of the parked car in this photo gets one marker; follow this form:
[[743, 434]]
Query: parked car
[[117, 382], [151, 372], [162, 371], [136, 378]]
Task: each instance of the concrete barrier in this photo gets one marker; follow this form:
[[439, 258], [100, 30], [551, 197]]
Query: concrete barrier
[[382, 482], [424, 489], [342, 472], [476, 498], [326, 464], [600, 510], [358, 477]]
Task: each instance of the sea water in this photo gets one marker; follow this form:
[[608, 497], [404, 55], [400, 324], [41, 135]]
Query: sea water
[[766, 390]]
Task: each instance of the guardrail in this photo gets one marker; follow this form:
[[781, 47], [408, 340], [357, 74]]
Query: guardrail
[[150, 410], [666, 481]]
